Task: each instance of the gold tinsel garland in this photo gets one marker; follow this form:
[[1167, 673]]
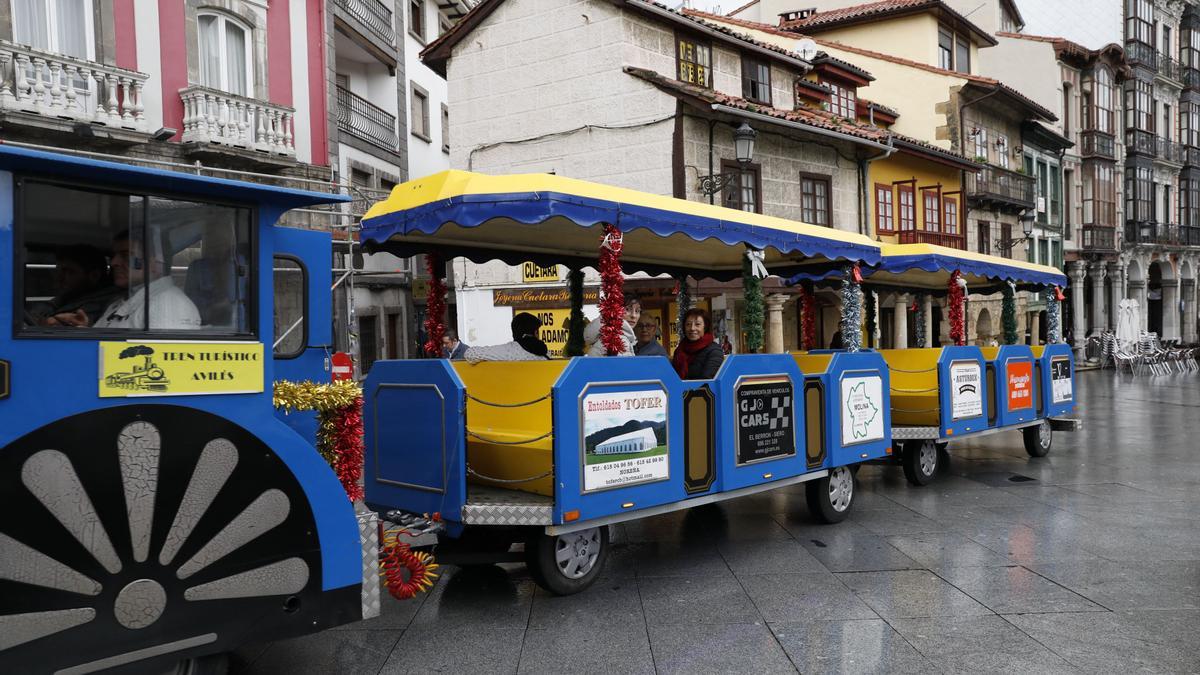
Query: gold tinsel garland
[[293, 396], [339, 424]]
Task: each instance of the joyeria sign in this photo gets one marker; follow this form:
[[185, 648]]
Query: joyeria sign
[[1020, 385]]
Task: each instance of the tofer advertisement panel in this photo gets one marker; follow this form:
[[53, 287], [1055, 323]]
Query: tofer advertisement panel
[[624, 438]]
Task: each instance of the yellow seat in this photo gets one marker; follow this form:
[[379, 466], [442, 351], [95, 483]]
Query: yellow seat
[[914, 386], [1038, 350], [812, 364], [510, 443]]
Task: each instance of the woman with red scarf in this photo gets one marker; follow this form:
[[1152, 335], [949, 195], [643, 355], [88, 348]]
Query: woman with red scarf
[[698, 356]]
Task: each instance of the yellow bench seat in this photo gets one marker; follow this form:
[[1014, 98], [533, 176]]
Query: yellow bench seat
[[914, 392]]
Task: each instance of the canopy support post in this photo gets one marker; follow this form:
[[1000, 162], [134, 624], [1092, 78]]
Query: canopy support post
[[956, 300], [852, 302]]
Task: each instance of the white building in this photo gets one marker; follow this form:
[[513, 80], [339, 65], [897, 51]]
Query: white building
[[634, 441]]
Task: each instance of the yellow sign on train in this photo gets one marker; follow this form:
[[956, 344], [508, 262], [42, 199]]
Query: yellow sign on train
[[180, 368]]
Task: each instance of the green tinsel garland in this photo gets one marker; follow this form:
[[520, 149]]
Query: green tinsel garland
[[754, 314], [574, 346], [919, 318], [1008, 315], [869, 338]]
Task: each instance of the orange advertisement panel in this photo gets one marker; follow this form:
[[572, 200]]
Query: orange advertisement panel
[[1020, 384]]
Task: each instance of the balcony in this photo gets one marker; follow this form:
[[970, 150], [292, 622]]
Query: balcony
[[1191, 77], [56, 92], [1191, 156], [1141, 142], [1149, 232], [957, 241], [374, 15], [1170, 69], [1140, 54], [1001, 187], [217, 121], [1189, 235], [1167, 150], [359, 117], [1100, 238], [1097, 144]]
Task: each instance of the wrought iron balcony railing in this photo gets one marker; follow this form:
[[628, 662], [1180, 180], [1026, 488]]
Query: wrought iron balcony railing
[[1150, 232], [1168, 150], [1097, 144], [1140, 142], [374, 15], [1140, 54], [1099, 238], [993, 183], [359, 117], [1169, 68]]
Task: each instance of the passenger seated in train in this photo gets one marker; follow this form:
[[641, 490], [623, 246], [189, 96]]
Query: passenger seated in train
[[82, 282], [526, 346], [698, 356], [170, 307], [646, 330], [591, 333]]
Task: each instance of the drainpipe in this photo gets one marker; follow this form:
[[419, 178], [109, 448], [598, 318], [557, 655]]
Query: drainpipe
[[863, 185]]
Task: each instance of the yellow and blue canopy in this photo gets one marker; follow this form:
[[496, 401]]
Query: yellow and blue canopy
[[552, 219]]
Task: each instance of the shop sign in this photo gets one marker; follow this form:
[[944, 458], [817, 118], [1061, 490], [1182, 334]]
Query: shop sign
[[766, 426], [529, 298], [966, 390], [1061, 387], [624, 438], [180, 368], [1019, 375], [554, 329], [862, 416], [535, 273]]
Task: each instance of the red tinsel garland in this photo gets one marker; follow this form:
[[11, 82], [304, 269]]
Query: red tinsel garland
[[341, 437], [808, 318], [955, 299], [435, 304], [397, 559], [612, 297]]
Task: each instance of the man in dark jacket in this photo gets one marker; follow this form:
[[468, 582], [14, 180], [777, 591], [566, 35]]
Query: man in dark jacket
[[452, 347]]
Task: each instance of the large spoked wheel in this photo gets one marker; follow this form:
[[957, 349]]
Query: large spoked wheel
[[213, 664], [566, 564], [1038, 439], [921, 460], [830, 498]]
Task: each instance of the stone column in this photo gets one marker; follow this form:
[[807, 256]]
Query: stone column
[[1188, 333], [774, 337], [1077, 269], [1137, 291], [1170, 310], [1098, 272], [900, 335], [1116, 281]]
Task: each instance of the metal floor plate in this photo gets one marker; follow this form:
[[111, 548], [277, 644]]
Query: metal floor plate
[[488, 505]]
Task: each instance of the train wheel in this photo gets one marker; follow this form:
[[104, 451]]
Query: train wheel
[[920, 460], [213, 664], [830, 497], [151, 537], [1038, 439], [567, 563]]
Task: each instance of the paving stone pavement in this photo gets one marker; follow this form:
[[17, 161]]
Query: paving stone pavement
[[1092, 566]]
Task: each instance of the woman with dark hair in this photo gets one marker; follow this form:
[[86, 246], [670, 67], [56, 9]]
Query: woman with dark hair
[[698, 356], [526, 345], [591, 333]]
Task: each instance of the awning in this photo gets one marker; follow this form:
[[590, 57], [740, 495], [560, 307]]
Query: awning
[[551, 219]]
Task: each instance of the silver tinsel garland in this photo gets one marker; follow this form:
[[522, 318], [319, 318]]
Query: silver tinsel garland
[[1053, 317], [852, 315], [684, 301], [919, 318]]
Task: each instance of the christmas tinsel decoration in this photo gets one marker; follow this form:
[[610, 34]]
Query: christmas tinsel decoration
[[851, 314], [574, 346], [808, 317], [754, 314], [339, 425], [405, 572], [1008, 314], [1053, 316], [869, 296], [683, 299], [955, 297], [435, 304], [919, 318], [612, 297]]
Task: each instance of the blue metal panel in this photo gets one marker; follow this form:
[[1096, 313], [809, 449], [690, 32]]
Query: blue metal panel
[[415, 438], [739, 368], [855, 435], [966, 358], [587, 376], [1012, 364], [1063, 402]]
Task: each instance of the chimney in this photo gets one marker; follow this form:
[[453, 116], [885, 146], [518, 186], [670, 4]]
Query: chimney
[[796, 15]]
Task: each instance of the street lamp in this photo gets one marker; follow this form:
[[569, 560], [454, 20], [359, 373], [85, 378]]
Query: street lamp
[[743, 148], [1026, 220]]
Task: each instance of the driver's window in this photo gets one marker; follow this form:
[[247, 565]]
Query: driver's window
[[107, 261]]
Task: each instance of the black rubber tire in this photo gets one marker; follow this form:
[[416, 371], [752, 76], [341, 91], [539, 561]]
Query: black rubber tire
[[820, 503], [213, 664], [915, 471], [540, 557], [1035, 444]]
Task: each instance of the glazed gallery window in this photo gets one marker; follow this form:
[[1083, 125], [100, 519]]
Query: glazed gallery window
[[1189, 124], [933, 211], [1139, 105], [1189, 201], [950, 208], [1139, 21], [885, 208], [744, 193], [694, 61], [954, 51], [1139, 193], [1189, 47], [225, 60], [908, 207], [756, 81], [843, 101], [815, 207], [1104, 98], [119, 263], [980, 139]]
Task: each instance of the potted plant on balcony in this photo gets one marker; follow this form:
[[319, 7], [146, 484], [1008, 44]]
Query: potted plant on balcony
[[981, 159]]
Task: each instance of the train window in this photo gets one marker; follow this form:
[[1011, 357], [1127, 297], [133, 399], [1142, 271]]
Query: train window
[[291, 325], [118, 262]]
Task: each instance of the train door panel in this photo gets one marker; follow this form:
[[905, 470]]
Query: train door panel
[[301, 277]]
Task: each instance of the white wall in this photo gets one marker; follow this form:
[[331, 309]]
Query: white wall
[[424, 157]]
